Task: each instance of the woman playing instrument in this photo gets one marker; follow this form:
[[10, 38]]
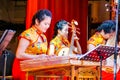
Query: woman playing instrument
[[60, 40], [32, 42], [109, 66], [105, 35]]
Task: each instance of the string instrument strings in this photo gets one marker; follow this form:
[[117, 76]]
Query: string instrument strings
[[68, 50], [74, 31], [74, 37]]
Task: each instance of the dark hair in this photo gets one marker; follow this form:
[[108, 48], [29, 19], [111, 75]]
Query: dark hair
[[59, 26], [107, 26], [40, 15]]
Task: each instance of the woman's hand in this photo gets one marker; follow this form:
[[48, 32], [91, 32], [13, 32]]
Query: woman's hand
[[76, 37]]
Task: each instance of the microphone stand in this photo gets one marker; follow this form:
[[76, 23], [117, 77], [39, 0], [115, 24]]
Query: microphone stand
[[5, 53], [116, 41]]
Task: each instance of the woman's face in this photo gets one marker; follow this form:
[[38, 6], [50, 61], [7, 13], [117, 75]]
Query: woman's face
[[44, 24], [64, 31], [106, 35]]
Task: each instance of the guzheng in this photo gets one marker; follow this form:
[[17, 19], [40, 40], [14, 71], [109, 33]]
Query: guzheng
[[53, 61]]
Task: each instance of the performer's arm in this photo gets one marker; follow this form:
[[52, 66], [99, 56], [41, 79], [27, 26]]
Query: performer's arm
[[20, 53], [78, 47], [51, 49]]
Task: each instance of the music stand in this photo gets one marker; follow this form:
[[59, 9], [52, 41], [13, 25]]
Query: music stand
[[4, 41], [99, 54]]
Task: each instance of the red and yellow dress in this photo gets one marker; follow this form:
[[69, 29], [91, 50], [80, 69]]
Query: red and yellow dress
[[96, 39], [35, 47], [59, 42]]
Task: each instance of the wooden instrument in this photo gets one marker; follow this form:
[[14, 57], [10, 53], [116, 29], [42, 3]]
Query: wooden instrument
[[66, 51], [53, 62], [63, 51], [109, 66], [57, 66], [109, 69]]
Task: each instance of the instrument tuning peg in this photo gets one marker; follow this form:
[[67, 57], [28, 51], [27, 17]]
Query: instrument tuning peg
[[74, 22]]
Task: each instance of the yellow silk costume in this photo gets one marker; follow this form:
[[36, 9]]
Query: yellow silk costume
[[96, 39], [59, 42], [35, 46]]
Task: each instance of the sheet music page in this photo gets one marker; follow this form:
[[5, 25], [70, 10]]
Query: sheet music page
[[101, 50], [6, 38], [81, 56]]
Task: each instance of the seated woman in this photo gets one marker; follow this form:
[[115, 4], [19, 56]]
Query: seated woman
[[109, 64], [103, 32], [104, 36], [32, 42], [60, 40], [60, 44]]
